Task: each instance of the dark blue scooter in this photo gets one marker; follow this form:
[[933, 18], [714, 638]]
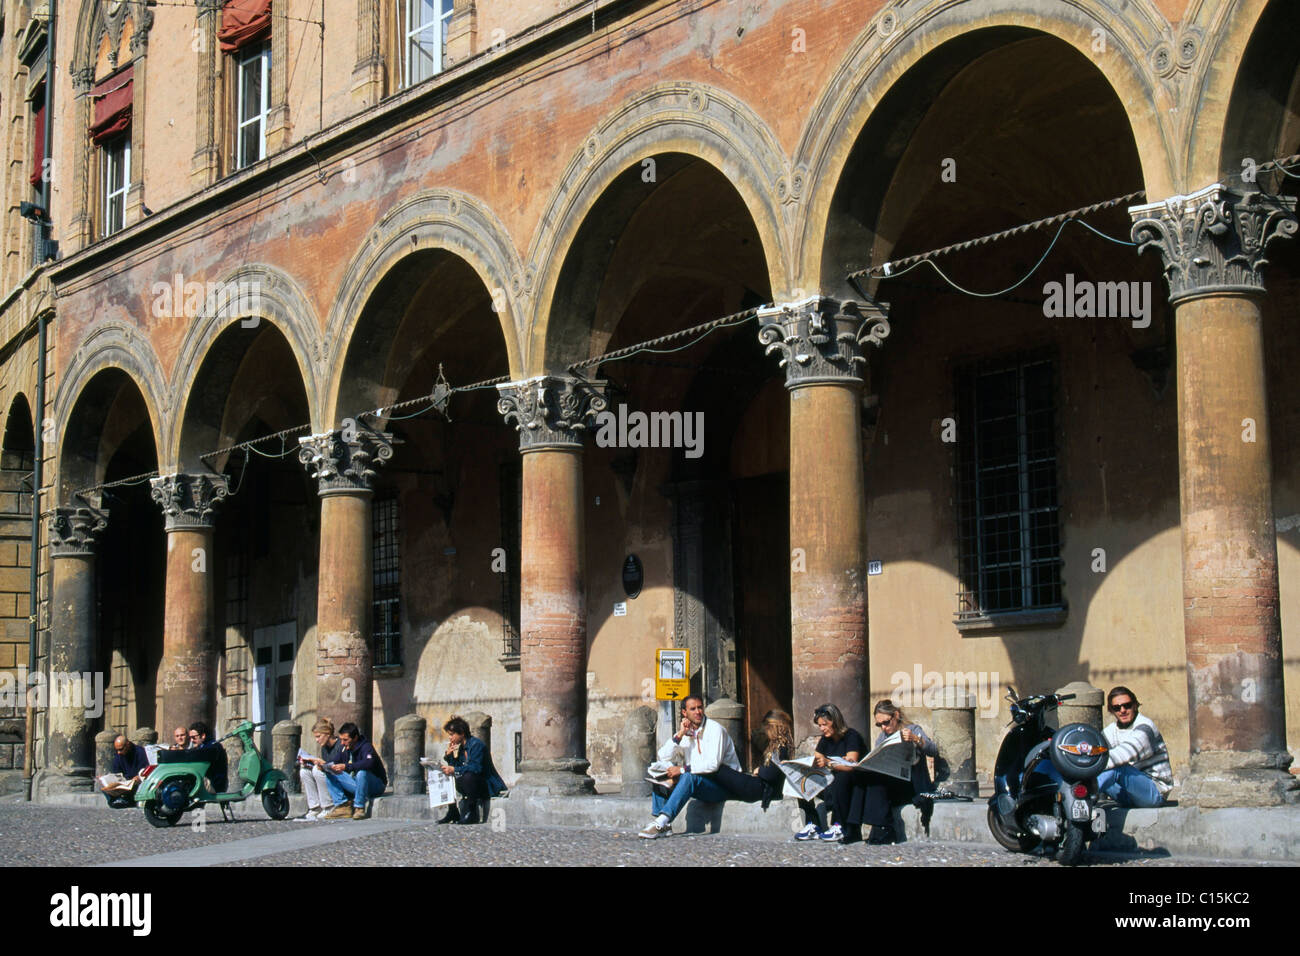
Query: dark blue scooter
[[1045, 781]]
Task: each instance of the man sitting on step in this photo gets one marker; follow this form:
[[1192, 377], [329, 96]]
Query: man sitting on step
[[707, 746]]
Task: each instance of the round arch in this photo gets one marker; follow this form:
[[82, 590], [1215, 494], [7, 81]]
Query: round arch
[[691, 119], [255, 292], [1253, 60], [892, 45], [109, 346], [433, 220]]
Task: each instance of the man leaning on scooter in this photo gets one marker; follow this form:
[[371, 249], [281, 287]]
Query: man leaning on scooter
[[359, 774]]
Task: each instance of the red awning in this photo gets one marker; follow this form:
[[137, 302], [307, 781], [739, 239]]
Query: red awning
[[38, 143], [244, 22], [111, 100]]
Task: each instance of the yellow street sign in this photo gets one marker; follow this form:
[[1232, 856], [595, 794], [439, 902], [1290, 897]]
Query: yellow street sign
[[672, 673]]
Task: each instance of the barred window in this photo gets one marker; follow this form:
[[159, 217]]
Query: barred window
[[387, 576], [1008, 508]]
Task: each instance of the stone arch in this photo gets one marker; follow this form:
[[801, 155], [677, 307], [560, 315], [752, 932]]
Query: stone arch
[[268, 294], [97, 19], [1137, 67], [437, 219], [688, 118], [108, 346], [1249, 62]]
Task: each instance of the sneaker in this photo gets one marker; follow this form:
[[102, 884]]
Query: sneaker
[[810, 831], [832, 834], [359, 813], [341, 812], [654, 831]]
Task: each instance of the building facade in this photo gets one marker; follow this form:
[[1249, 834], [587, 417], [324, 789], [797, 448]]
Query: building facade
[[342, 289]]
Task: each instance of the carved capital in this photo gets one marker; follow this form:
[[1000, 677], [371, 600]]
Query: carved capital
[[344, 461], [821, 340], [83, 80], [551, 411], [73, 530], [1215, 239], [189, 501]]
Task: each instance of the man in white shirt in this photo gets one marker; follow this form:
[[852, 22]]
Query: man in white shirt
[[707, 746], [1138, 773]]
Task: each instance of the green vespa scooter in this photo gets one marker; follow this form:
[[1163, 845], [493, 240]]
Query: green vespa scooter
[[168, 790]]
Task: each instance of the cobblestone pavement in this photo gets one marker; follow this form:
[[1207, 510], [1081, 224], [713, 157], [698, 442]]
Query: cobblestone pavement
[[58, 836]]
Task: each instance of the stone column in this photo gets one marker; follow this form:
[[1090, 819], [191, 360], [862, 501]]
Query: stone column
[[286, 741], [820, 343], [70, 743], [408, 748], [953, 716], [637, 746], [104, 752], [343, 463], [187, 682], [551, 414], [1088, 706], [1213, 243]]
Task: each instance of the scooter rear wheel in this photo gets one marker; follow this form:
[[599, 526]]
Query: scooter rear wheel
[[1011, 841], [1071, 851], [276, 802]]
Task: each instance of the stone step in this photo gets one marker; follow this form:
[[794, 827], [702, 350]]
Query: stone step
[[1235, 833]]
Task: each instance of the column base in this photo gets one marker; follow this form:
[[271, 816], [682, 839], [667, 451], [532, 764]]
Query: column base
[[565, 777], [1232, 778], [51, 782]]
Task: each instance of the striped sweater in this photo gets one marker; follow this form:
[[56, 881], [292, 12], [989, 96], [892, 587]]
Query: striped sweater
[[1141, 746]]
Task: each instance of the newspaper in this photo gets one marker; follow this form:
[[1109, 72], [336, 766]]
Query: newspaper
[[657, 776], [116, 783], [803, 781], [892, 757], [442, 788]]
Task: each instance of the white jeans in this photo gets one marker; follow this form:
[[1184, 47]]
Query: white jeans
[[313, 784]]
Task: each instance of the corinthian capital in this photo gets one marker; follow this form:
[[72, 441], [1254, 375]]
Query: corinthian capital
[[344, 461], [820, 339], [1213, 240], [551, 411], [189, 501], [73, 530]]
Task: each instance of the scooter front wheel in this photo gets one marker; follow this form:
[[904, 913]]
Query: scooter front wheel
[[1011, 841], [276, 802], [154, 813]]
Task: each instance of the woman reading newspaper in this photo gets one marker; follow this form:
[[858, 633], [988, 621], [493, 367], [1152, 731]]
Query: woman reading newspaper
[[838, 750], [765, 783], [881, 793]]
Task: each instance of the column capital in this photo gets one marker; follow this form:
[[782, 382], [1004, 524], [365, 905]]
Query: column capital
[[551, 411], [822, 340], [189, 501], [343, 461], [73, 530], [1213, 240]]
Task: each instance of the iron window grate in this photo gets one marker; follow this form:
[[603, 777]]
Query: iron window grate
[[1008, 494]]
